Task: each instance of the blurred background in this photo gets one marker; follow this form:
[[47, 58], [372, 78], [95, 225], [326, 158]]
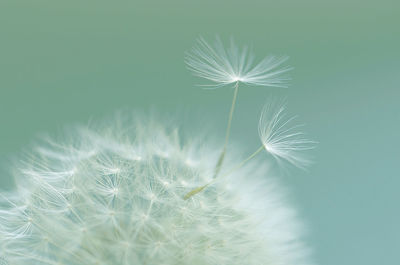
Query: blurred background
[[65, 62]]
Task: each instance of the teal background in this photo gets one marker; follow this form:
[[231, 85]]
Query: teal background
[[63, 62]]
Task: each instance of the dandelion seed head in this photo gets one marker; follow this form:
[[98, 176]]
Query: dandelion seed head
[[112, 209]]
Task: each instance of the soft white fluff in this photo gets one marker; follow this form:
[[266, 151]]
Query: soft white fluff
[[114, 195], [229, 65], [280, 138]]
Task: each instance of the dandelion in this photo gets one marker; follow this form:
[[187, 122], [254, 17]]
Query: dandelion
[[233, 66], [133, 192], [87, 200], [280, 138]]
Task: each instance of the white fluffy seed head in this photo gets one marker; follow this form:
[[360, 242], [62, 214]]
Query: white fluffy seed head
[[91, 200], [281, 139], [229, 65]]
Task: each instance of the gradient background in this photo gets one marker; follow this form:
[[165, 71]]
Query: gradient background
[[63, 62]]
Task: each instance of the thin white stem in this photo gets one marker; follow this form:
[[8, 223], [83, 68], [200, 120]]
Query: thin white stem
[[201, 188], [243, 162], [228, 131]]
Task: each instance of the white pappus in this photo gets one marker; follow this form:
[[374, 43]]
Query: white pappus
[[280, 138], [230, 65]]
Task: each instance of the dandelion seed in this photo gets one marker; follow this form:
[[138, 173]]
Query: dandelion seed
[[281, 139]]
